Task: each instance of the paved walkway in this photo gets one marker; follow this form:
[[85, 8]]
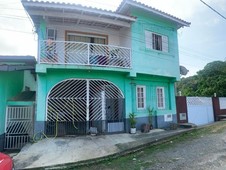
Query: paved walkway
[[59, 152]]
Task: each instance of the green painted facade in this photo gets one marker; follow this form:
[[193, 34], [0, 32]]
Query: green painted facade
[[149, 61], [11, 84], [46, 81], [150, 68], [154, 68], [54, 76], [151, 83]]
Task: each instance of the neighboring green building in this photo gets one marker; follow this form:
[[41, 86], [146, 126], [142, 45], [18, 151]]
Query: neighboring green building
[[16, 76], [96, 66]]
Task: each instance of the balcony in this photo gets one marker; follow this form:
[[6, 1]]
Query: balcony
[[83, 54]]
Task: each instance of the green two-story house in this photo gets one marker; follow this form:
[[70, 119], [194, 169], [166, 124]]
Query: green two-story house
[[94, 67]]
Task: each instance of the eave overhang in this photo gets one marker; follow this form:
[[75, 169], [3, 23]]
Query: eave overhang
[[126, 5], [17, 63], [77, 14]]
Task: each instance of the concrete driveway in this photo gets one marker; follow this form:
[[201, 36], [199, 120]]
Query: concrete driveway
[[57, 151]]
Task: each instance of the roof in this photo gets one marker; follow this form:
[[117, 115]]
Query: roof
[[70, 12], [14, 63], [126, 5], [79, 14], [73, 6], [24, 96]]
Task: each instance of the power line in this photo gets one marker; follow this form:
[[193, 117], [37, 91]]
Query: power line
[[16, 31], [172, 47], [13, 17], [184, 51], [12, 9], [213, 9]]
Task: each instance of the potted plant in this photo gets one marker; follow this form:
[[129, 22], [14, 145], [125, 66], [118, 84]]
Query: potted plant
[[132, 120], [151, 111], [146, 127]]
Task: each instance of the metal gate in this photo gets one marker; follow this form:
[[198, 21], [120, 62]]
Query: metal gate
[[76, 106], [200, 110], [19, 126]]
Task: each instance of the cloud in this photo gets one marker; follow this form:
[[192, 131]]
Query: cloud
[[219, 5], [16, 30], [203, 42], [16, 43]]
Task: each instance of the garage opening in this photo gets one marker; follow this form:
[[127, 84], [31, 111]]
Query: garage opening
[[82, 106]]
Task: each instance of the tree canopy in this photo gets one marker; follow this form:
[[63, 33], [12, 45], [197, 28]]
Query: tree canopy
[[210, 80]]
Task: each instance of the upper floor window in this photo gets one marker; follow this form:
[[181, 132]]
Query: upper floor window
[[51, 34], [86, 37], [141, 97], [156, 41], [160, 97]]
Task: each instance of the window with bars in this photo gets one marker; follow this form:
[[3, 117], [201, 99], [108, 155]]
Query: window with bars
[[160, 98], [156, 41], [141, 97]]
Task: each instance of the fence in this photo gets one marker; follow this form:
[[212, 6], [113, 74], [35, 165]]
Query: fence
[[19, 126], [77, 53], [200, 110]]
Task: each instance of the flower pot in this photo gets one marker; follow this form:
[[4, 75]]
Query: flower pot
[[133, 130], [151, 127], [145, 128]]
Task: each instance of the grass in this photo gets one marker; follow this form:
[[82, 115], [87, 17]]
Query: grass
[[145, 158]]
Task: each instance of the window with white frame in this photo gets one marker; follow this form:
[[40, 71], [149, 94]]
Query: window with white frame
[[141, 97], [51, 52], [86, 37], [156, 41], [51, 34], [160, 97]]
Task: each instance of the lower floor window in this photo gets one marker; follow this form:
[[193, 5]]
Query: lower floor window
[[160, 98], [141, 99]]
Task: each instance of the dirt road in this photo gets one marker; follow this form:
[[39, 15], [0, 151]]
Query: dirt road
[[202, 149], [206, 152]]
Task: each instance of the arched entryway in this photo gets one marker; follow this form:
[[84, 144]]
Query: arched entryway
[[76, 106]]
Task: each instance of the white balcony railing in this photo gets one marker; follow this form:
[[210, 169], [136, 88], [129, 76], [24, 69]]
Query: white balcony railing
[[77, 53]]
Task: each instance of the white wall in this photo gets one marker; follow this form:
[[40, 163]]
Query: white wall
[[113, 35], [125, 37], [29, 80], [121, 38], [200, 110]]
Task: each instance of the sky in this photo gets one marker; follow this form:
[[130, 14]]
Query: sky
[[203, 42]]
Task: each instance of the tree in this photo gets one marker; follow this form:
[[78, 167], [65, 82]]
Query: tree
[[210, 80]]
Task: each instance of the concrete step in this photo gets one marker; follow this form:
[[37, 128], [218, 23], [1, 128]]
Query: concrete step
[[187, 125]]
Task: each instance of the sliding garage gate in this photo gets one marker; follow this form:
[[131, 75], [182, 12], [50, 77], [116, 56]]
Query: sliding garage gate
[[78, 106]]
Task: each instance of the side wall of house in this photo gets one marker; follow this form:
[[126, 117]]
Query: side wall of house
[[29, 81], [151, 83], [149, 61], [154, 68], [11, 83]]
